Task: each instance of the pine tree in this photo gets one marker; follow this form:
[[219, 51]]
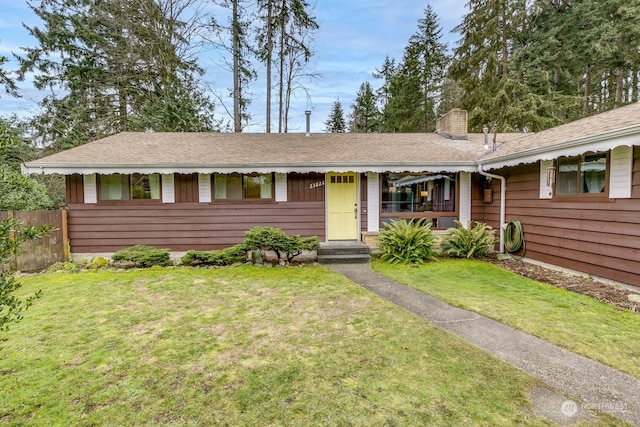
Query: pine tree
[[411, 90], [285, 45], [496, 93], [335, 123], [364, 115], [6, 80], [109, 64]]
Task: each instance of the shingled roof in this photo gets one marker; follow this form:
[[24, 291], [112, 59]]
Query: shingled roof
[[130, 152], [601, 132], [210, 152]]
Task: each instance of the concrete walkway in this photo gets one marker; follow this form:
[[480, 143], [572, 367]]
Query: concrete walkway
[[593, 385]]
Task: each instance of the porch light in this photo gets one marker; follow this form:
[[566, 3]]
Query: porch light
[[424, 193]]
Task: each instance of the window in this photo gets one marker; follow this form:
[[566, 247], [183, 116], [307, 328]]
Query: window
[[418, 192], [236, 186], [581, 175], [136, 186]]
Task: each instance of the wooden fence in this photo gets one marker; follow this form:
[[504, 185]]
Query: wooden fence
[[43, 252]]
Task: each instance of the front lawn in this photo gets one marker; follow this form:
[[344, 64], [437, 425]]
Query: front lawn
[[576, 322], [243, 346]]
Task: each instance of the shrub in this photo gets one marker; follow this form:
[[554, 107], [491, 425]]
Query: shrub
[[285, 247], [143, 256], [407, 242], [98, 263], [469, 242], [63, 266], [227, 256]]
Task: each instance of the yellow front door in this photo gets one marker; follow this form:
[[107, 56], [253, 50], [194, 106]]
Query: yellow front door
[[342, 206]]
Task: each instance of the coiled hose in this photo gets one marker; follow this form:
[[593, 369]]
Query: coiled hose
[[514, 237]]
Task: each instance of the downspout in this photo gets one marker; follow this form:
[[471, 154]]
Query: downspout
[[503, 198]]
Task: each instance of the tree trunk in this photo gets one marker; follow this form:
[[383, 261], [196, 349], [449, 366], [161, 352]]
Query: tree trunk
[[283, 42], [587, 93], [269, 56], [619, 86], [237, 83], [634, 87]]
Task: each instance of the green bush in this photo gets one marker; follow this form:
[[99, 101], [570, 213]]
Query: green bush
[[227, 256], [98, 263], [286, 247], [407, 242], [469, 242], [63, 266], [143, 256]]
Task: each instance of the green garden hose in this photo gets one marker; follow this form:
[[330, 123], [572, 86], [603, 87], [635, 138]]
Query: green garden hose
[[514, 237]]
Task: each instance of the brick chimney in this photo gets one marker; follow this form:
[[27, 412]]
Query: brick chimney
[[453, 125]]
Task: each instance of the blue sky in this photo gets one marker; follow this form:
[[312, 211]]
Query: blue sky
[[354, 38]]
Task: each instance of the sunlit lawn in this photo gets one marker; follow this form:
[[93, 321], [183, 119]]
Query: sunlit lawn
[[243, 346], [576, 322]]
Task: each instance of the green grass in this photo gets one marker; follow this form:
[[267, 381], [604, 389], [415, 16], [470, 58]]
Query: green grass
[[243, 346], [576, 322]]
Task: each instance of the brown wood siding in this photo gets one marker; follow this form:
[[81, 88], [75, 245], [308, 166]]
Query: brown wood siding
[[186, 188], [599, 238], [182, 226], [75, 188], [305, 187]]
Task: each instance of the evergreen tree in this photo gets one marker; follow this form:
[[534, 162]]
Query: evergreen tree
[[18, 192], [285, 45], [364, 111], [335, 123], [496, 93], [233, 38], [411, 91], [6, 80], [110, 63]]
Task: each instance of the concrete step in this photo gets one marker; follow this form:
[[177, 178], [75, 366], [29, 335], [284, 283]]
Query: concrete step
[[343, 253], [343, 248], [344, 259]]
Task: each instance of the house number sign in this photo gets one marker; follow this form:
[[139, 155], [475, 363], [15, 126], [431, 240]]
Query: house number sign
[[316, 185]]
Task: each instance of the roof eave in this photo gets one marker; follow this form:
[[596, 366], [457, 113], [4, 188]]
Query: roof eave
[[629, 136], [90, 168]]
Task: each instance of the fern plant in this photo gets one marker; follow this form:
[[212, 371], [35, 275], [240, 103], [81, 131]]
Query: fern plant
[[470, 242], [407, 242]]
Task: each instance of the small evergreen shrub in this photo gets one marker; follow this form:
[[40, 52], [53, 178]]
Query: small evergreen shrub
[[143, 256], [470, 242], [226, 256], [62, 266], [98, 263], [286, 247], [407, 242]]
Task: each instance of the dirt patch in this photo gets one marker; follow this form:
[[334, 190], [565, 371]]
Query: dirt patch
[[584, 285]]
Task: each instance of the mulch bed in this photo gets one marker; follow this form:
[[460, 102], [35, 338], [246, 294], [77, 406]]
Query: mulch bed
[[580, 284]]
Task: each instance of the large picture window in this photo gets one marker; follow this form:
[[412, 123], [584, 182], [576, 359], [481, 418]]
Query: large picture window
[[581, 175], [403, 192], [237, 186], [136, 186]]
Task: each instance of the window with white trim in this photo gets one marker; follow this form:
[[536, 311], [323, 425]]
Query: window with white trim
[[136, 186], [581, 175], [235, 186]]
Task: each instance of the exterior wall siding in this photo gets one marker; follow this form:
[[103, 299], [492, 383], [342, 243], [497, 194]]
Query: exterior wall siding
[[188, 224], [184, 226], [598, 238]]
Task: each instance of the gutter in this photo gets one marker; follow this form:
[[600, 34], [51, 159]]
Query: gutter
[[503, 198], [616, 134], [88, 168]]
